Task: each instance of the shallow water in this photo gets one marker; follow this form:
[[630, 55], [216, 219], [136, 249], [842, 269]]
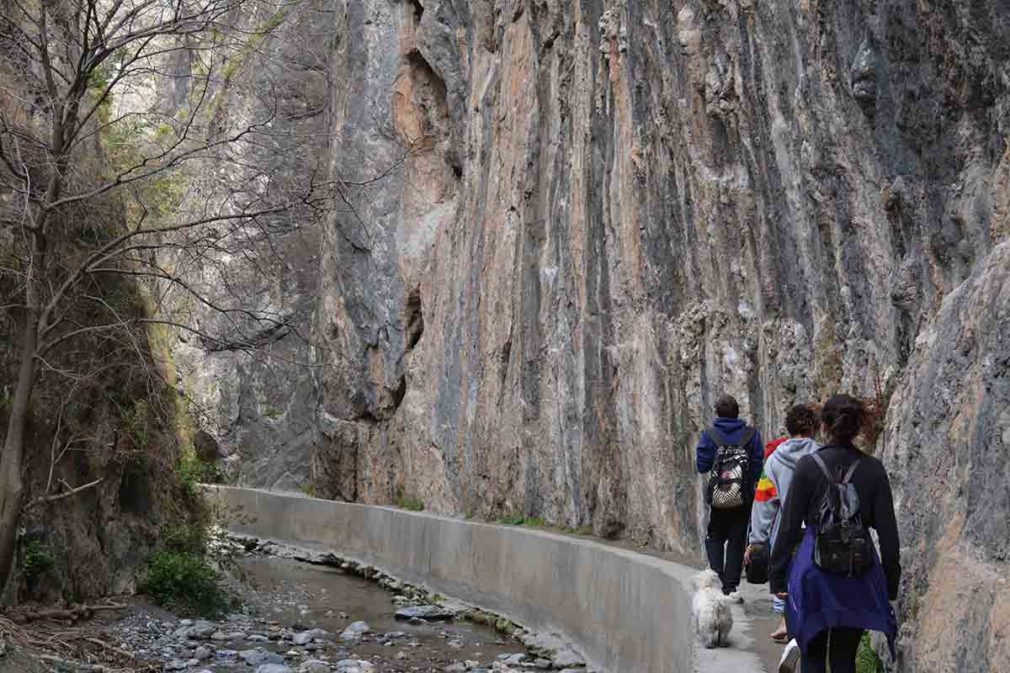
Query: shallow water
[[304, 596]]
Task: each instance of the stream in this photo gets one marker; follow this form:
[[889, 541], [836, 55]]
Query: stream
[[304, 618]]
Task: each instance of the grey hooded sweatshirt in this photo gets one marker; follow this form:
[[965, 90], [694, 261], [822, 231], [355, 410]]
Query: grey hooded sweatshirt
[[773, 488]]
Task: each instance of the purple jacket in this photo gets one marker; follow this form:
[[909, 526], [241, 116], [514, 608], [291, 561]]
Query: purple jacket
[[819, 600]]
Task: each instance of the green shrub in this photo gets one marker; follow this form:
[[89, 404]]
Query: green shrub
[[410, 503], [189, 538], [185, 583], [867, 660], [192, 472], [36, 558]]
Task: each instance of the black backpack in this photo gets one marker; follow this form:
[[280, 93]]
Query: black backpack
[[728, 481], [843, 545], [757, 569]]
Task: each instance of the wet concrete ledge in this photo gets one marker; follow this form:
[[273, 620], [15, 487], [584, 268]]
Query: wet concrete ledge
[[625, 612]]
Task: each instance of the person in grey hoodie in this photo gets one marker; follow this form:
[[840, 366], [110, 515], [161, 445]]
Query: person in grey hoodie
[[773, 487]]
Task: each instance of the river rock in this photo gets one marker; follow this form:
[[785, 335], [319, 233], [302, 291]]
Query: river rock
[[199, 630], [355, 666], [426, 612], [202, 653], [355, 631], [259, 657], [273, 668], [314, 666], [306, 637]]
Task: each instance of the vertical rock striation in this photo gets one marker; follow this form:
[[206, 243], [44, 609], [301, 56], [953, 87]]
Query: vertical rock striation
[[568, 226], [948, 451], [565, 227]]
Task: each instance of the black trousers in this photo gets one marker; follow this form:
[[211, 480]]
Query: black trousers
[[838, 646], [726, 542]]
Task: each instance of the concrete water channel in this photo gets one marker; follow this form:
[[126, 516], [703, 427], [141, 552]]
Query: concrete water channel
[[623, 611]]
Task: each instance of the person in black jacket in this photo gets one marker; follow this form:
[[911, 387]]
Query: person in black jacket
[[829, 612]]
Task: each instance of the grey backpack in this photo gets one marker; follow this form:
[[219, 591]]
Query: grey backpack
[[843, 544]]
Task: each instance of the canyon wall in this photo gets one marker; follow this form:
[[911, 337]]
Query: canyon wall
[[563, 228], [571, 225]]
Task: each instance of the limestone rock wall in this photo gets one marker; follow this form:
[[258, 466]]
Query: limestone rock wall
[[947, 448], [564, 227], [570, 225]]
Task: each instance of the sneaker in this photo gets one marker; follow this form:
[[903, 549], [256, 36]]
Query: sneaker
[[790, 658], [735, 597]]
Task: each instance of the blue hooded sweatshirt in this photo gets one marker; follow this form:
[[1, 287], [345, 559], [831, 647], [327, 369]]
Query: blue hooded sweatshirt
[[732, 430]]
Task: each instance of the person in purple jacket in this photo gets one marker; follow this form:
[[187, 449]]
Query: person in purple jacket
[[726, 539], [829, 612]]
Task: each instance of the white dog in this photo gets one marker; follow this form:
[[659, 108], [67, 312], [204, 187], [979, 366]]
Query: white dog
[[713, 618]]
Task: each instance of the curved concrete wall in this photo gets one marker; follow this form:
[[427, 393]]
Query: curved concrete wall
[[622, 610]]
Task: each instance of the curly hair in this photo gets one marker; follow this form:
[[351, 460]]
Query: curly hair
[[802, 420]]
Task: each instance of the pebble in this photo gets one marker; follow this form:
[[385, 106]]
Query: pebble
[[306, 637], [429, 613], [512, 659], [313, 666], [259, 657], [201, 653], [354, 666], [228, 635], [355, 631], [273, 668]]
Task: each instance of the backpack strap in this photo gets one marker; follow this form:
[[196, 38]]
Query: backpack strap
[[824, 468], [852, 469], [827, 473], [748, 435], [720, 440]]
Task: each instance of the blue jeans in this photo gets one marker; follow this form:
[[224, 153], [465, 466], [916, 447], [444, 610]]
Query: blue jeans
[[778, 605]]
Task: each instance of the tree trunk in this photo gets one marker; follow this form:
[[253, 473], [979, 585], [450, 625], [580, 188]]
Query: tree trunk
[[11, 488]]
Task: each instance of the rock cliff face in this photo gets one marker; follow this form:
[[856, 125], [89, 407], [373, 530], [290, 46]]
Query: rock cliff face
[[575, 223], [565, 227], [948, 450]]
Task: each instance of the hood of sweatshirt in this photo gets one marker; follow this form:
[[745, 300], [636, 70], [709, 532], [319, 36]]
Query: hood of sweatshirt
[[730, 428], [790, 451]]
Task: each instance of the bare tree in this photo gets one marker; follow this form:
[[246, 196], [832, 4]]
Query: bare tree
[[107, 180]]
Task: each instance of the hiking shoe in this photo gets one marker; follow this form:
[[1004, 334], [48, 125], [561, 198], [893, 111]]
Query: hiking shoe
[[790, 658]]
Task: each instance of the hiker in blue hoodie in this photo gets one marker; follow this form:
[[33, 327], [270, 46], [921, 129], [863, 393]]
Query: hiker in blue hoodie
[[773, 488], [732, 451]]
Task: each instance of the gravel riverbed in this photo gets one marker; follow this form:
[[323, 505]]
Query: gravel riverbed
[[299, 617]]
